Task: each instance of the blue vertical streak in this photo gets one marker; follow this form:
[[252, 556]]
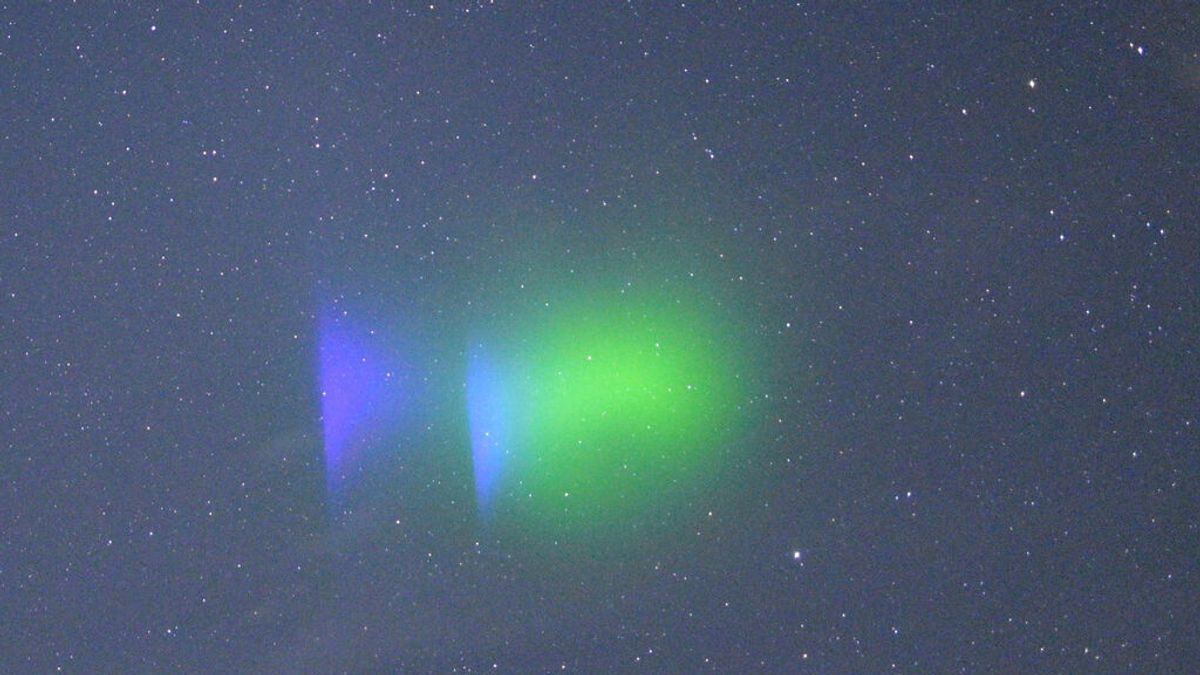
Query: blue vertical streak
[[487, 416], [357, 397]]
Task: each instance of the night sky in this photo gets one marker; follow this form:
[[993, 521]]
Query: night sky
[[599, 337]]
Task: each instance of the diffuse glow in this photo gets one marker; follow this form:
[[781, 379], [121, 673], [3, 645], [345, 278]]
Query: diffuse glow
[[487, 412], [596, 411], [360, 396]]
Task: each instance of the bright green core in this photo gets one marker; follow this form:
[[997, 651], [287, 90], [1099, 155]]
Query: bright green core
[[614, 411]]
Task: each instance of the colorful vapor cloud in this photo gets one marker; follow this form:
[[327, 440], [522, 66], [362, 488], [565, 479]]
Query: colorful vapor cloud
[[596, 412], [601, 409], [362, 396]]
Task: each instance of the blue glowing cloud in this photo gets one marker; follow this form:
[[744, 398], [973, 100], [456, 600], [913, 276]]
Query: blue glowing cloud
[[360, 396], [487, 412]]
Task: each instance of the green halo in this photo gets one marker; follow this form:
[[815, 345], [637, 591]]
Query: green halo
[[617, 408]]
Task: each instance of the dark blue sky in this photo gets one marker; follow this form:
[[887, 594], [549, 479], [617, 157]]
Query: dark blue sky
[[963, 237]]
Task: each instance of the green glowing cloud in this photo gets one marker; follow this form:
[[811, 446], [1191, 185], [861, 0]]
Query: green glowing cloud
[[617, 406]]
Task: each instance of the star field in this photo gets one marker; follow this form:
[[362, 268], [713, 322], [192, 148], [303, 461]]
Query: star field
[[599, 337]]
